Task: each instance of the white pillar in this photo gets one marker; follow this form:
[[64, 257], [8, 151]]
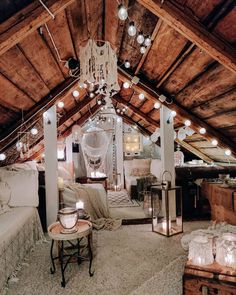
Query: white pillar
[[50, 143], [167, 151], [119, 150]]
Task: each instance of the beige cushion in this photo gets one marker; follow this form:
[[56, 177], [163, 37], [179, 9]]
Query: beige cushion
[[142, 171], [29, 165], [23, 185], [141, 163]]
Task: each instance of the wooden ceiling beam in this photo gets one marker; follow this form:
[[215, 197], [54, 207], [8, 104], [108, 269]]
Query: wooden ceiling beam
[[193, 31], [137, 112], [153, 94], [27, 21], [36, 112]]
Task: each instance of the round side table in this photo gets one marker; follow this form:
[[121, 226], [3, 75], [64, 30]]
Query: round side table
[[84, 230]]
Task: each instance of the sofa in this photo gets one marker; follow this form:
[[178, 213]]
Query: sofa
[[139, 168], [20, 225]]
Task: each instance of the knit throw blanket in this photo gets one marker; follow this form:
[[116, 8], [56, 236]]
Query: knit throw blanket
[[99, 213]]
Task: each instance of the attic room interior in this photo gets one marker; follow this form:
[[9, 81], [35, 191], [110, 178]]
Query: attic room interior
[[118, 147]]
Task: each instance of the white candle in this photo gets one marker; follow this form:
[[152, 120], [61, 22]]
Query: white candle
[[79, 205], [164, 224]]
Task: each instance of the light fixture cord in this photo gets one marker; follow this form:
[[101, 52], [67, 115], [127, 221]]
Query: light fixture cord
[[47, 9]]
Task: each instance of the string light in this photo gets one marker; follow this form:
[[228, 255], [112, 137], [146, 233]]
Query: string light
[[2, 157], [127, 64], [75, 93], [126, 85], [214, 142], [202, 130], [140, 38], [34, 131], [157, 105], [147, 41], [142, 49], [91, 95], [228, 152], [122, 12], [132, 29], [187, 123], [141, 96], [173, 113], [61, 104]]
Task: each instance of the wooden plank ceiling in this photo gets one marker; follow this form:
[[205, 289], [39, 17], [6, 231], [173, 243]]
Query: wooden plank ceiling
[[191, 61]]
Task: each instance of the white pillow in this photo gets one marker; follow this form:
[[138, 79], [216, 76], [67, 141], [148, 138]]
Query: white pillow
[[141, 163], [5, 195], [24, 187]]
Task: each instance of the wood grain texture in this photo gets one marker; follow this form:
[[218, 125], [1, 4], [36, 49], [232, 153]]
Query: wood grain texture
[[193, 31], [160, 57], [37, 52], [15, 66], [21, 25], [217, 80]]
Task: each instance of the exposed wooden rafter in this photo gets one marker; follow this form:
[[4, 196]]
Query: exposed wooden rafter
[[153, 94], [27, 21], [193, 31]]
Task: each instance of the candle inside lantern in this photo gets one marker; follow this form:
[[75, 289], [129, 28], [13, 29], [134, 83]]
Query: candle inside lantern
[[80, 205], [68, 219], [164, 224]]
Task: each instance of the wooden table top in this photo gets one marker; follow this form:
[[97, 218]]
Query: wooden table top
[[84, 228]]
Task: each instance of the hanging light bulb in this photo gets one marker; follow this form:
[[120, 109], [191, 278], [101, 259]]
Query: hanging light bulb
[[99, 102], [34, 131], [118, 111], [75, 93], [228, 152], [173, 114], [147, 41], [2, 157], [142, 49], [91, 94], [126, 85], [202, 130], [141, 96], [132, 29], [127, 64], [214, 142], [140, 38], [60, 104], [187, 123], [122, 12], [157, 105], [124, 109]]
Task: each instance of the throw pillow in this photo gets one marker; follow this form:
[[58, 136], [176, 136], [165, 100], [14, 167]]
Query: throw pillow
[[24, 187], [142, 171]]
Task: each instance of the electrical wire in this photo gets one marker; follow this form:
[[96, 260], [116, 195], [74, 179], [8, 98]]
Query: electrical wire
[[47, 9]]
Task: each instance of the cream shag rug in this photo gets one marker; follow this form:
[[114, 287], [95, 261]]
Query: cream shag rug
[[129, 261], [119, 199]]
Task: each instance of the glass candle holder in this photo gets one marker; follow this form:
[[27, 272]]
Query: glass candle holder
[[226, 250], [68, 218], [201, 250]]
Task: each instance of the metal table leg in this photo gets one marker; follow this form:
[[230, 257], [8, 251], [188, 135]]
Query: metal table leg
[[90, 255], [63, 283], [52, 269]]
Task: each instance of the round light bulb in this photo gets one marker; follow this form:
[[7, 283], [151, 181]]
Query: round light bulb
[[118, 120], [173, 113], [126, 85], [127, 64], [75, 93], [85, 85], [118, 111], [122, 12], [99, 102], [141, 96], [132, 29], [140, 38], [60, 104], [2, 157], [187, 123], [157, 105], [91, 95], [202, 130], [34, 131], [142, 49], [147, 41], [228, 152], [214, 142]]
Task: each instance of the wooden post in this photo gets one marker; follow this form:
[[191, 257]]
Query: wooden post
[[119, 150], [167, 151], [50, 142]]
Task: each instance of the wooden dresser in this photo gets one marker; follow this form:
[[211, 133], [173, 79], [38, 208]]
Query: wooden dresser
[[222, 201]]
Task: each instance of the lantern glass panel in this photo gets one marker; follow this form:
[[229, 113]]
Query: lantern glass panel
[[167, 210]]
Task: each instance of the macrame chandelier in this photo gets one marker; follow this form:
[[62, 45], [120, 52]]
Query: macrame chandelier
[[98, 68]]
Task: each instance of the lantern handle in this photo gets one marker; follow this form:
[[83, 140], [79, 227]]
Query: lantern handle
[[163, 174]]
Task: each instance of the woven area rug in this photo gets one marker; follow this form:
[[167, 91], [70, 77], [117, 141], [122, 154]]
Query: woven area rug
[[119, 199]]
